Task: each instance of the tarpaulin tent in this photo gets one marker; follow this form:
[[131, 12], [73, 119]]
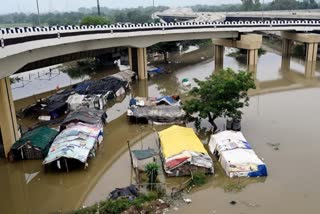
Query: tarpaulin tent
[[33, 144], [236, 155], [182, 152]]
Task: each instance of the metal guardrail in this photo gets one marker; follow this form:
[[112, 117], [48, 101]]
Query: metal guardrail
[[11, 36]]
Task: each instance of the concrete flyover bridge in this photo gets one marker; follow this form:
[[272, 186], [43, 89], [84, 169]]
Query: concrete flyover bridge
[[24, 48]]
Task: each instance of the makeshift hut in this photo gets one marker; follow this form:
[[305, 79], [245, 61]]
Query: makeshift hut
[[182, 152], [140, 158], [236, 156], [33, 144], [162, 114], [74, 146]]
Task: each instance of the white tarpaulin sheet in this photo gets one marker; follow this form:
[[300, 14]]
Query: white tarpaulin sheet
[[236, 155]]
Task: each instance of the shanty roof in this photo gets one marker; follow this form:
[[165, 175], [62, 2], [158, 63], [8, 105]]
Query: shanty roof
[[176, 139], [39, 137]]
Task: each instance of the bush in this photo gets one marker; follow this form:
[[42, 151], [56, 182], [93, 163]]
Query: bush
[[198, 179]]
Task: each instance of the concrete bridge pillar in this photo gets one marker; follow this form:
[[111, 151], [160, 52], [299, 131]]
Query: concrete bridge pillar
[[286, 47], [138, 61], [8, 121], [218, 56], [250, 42], [311, 52]]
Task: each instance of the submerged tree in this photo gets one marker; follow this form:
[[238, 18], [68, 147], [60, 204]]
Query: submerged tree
[[223, 94]]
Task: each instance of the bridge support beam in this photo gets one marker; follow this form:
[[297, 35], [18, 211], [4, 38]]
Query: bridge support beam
[[250, 42], [8, 120], [218, 56], [286, 47], [138, 62]]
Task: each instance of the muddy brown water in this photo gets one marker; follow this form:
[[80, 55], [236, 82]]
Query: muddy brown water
[[283, 110]]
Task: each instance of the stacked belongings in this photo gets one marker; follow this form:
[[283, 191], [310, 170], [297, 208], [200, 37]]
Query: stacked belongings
[[33, 145], [82, 133], [161, 110], [236, 155], [182, 152]]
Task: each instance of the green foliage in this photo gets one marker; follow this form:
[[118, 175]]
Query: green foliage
[[95, 20], [299, 50], [152, 170], [223, 94], [117, 206], [199, 178], [249, 5], [234, 187]]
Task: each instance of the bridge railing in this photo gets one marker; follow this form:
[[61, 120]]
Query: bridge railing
[[9, 36]]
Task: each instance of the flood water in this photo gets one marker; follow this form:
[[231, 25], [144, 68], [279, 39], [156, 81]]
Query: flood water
[[283, 110]]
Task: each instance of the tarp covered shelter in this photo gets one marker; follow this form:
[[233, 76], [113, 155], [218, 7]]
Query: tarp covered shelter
[[182, 152], [85, 115], [33, 144], [77, 142], [236, 155], [141, 158], [157, 114]]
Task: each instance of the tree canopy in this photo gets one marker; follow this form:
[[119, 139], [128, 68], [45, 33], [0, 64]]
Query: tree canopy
[[95, 20], [223, 94]]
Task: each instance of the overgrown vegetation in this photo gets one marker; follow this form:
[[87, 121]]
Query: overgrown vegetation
[[234, 186], [152, 170], [198, 179], [223, 94], [117, 206]]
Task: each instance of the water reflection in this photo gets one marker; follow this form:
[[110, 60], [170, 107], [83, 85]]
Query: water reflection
[[24, 190]]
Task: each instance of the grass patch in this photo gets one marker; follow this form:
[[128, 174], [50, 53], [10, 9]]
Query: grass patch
[[199, 178], [118, 206]]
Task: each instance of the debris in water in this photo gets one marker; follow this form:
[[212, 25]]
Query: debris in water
[[233, 202], [275, 146], [175, 208], [187, 200]]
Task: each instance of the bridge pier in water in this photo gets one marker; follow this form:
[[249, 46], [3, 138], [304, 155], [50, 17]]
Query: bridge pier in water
[[311, 42], [250, 42], [138, 61], [8, 122]]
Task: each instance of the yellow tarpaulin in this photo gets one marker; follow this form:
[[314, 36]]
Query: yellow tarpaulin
[[177, 139]]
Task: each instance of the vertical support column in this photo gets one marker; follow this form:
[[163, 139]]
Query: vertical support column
[[286, 47], [138, 62], [311, 52], [285, 63], [252, 59], [8, 120], [130, 58], [142, 63], [218, 56]]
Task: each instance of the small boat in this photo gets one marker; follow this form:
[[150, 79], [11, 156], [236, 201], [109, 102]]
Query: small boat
[[236, 156]]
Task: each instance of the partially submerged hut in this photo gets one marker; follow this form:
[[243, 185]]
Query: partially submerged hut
[[81, 135], [160, 110], [34, 144], [182, 152], [140, 158], [236, 156]]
